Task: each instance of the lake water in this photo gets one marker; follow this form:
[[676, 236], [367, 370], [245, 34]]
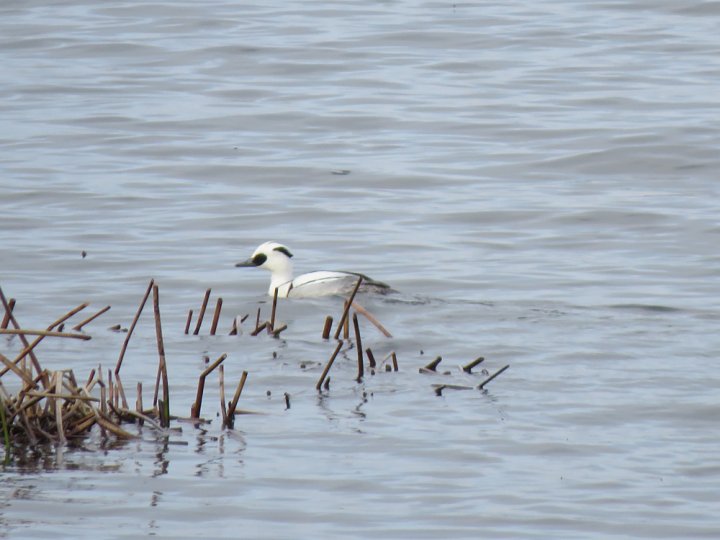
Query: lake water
[[538, 180]]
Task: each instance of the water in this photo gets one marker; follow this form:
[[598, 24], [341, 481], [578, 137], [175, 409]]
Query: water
[[538, 180]]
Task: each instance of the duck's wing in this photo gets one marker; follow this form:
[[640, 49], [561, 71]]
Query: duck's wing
[[327, 283]]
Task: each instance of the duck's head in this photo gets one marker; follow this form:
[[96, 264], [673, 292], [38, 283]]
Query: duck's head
[[273, 257]]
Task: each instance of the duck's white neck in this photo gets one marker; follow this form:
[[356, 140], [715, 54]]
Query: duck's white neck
[[281, 279]]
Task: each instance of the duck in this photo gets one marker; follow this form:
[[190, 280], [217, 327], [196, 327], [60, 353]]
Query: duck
[[277, 259]]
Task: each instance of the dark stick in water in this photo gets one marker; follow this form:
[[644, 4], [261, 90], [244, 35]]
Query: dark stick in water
[[482, 385], [328, 366], [202, 312], [344, 316], [358, 346], [79, 325], [327, 327], [216, 316], [468, 367]]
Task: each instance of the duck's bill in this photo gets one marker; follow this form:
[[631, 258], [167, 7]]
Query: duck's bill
[[244, 264]]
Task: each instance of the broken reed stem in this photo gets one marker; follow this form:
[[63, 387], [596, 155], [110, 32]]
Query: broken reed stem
[[467, 368], [358, 346], [5, 429], [6, 317], [189, 320], [257, 320], [162, 365], [24, 375], [344, 316], [216, 316], [236, 398], [394, 361], [327, 327], [481, 386], [432, 366], [58, 408], [346, 326], [44, 333], [28, 348], [371, 357], [260, 328], [234, 329], [139, 402], [276, 332], [202, 312], [271, 326], [82, 323], [111, 388], [221, 382], [328, 366], [121, 390], [365, 313], [195, 409], [132, 326]]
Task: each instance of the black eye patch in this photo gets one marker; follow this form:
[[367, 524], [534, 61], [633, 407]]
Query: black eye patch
[[259, 259], [284, 250]]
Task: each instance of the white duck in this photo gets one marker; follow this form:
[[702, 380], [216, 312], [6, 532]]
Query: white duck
[[276, 258]]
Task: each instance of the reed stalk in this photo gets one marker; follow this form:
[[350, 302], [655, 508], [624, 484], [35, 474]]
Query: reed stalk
[[82, 323], [271, 326], [371, 357], [216, 316], [482, 385], [370, 317], [344, 315], [358, 347], [6, 317], [203, 307], [188, 321], [162, 364], [195, 409], [432, 366], [149, 289], [44, 333], [221, 382], [233, 404], [327, 327], [329, 364], [467, 368]]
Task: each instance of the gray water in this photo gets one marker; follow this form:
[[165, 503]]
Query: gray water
[[538, 180]]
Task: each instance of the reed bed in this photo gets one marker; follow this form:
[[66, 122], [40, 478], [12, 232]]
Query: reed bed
[[52, 405]]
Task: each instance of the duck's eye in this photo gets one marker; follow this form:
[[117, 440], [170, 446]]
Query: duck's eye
[[284, 250], [259, 259]]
